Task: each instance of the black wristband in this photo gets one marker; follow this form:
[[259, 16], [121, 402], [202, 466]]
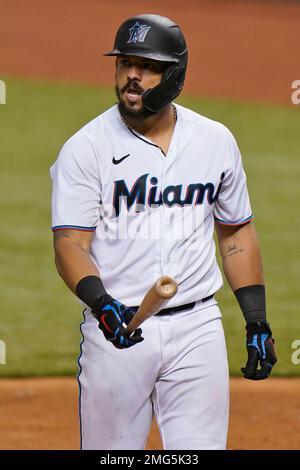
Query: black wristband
[[90, 289], [252, 300]]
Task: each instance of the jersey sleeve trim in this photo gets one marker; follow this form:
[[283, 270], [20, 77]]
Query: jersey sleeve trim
[[239, 222], [73, 227]]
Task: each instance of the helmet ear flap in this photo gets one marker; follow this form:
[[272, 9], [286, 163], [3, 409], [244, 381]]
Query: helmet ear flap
[[168, 72], [168, 89]]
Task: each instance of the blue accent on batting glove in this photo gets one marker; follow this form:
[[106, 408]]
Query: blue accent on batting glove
[[260, 348]]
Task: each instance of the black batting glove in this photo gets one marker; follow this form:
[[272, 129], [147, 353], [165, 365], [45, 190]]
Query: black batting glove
[[112, 315], [260, 348]]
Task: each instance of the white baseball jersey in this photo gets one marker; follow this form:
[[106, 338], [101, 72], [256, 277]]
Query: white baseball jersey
[[152, 214]]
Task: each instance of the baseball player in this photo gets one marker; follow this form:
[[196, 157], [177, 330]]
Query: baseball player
[[137, 193]]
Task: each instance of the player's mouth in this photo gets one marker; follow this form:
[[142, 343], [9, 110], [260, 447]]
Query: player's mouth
[[132, 92], [132, 95]]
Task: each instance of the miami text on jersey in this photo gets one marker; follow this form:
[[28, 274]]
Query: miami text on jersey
[[146, 188]]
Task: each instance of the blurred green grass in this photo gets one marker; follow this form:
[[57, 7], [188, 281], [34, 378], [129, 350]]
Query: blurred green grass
[[39, 316]]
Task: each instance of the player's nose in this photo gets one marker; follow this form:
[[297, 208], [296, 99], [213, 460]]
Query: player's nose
[[134, 73]]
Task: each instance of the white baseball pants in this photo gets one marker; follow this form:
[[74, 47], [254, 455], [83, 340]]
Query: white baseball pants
[[179, 373]]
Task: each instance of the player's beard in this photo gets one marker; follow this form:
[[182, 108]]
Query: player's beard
[[138, 114]]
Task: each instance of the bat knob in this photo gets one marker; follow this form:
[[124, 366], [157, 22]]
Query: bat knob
[[166, 287]]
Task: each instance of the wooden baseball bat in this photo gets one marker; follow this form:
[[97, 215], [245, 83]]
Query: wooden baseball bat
[[164, 288]]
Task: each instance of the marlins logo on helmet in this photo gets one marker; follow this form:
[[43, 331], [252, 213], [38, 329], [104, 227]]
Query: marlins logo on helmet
[[138, 33]]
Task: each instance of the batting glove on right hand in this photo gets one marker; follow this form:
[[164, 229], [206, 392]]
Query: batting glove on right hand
[[260, 348], [111, 316]]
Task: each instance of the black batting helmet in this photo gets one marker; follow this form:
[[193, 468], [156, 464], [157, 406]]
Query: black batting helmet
[[159, 38]]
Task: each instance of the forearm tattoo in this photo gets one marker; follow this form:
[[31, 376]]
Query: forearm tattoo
[[233, 250]]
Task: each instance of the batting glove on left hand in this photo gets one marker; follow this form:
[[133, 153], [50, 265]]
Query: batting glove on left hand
[[260, 348], [111, 315]]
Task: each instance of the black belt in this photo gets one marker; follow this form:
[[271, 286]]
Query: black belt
[[181, 308]]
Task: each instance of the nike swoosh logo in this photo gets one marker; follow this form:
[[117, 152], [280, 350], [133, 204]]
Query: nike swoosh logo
[[116, 162], [104, 322]]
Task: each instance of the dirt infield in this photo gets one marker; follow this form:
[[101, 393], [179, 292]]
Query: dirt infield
[[241, 50], [42, 414]]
